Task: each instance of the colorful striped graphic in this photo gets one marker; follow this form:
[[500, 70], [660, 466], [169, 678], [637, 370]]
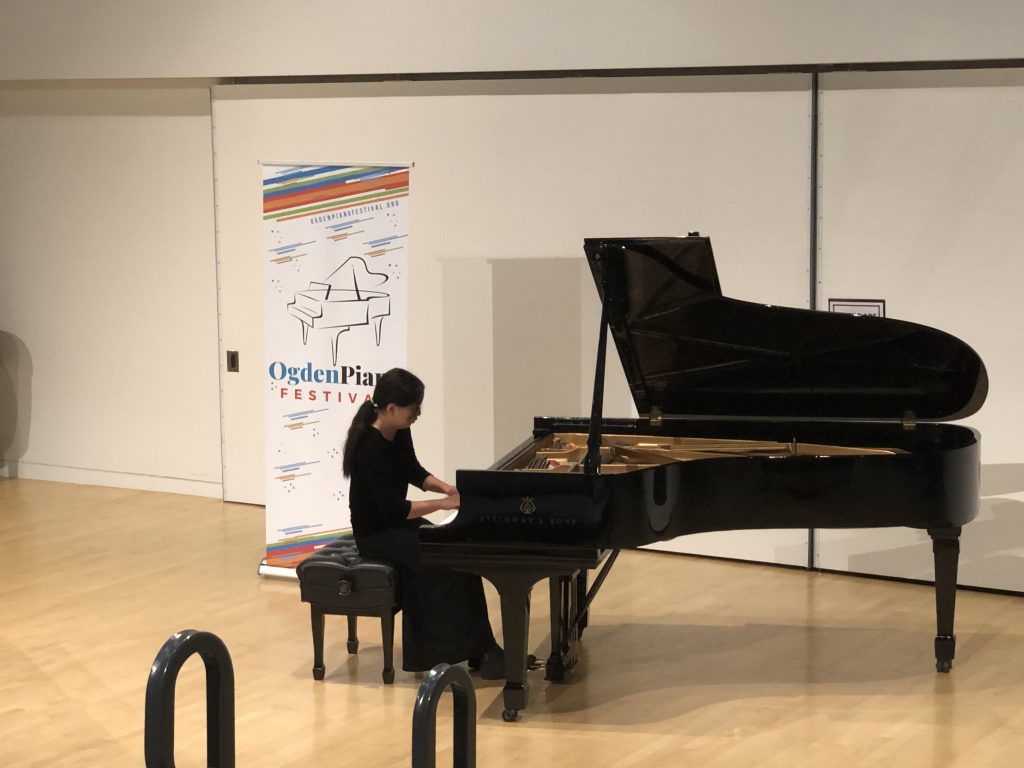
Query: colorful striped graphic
[[296, 544], [298, 192], [300, 419], [291, 471]]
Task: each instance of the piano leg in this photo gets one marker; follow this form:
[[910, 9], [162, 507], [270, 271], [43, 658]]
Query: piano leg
[[514, 590], [581, 600], [563, 607], [946, 548], [514, 582], [554, 669]]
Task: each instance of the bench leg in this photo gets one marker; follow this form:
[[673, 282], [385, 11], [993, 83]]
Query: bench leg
[[353, 640], [317, 617], [387, 633]]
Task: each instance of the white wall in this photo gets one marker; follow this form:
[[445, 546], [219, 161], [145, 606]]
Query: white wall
[[519, 172], [108, 323], [108, 326], [55, 39], [923, 206]]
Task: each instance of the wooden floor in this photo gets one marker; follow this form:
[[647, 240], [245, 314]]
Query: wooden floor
[[687, 662]]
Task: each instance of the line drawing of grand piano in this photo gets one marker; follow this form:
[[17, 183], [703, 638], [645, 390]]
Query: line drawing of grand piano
[[752, 416], [341, 301]]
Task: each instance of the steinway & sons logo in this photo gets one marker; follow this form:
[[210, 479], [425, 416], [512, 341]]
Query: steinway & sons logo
[[527, 516]]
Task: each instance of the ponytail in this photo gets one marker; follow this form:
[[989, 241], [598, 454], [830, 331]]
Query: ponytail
[[396, 386], [361, 422]]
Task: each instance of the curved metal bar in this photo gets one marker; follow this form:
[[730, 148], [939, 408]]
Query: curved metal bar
[[220, 699], [424, 717]]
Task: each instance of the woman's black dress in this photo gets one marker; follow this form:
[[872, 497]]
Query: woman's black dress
[[444, 612]]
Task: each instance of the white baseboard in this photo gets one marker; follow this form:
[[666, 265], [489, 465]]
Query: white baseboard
[[31, 471]]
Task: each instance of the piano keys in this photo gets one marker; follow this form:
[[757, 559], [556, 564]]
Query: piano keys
[[753, 416]]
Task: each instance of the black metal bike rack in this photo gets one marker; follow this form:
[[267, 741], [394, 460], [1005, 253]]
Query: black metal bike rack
[[424, 717], [220, 699]]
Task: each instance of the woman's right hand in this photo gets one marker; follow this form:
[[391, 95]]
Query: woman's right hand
[[449, 502]]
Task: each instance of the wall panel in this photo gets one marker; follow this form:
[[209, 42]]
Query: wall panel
[[108, 325], [923, 206], [508, 180]]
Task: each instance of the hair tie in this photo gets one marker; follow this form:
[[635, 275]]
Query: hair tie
[[375, 406]]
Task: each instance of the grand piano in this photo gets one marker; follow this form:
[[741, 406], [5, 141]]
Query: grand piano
[[342, 300], [752, 416]]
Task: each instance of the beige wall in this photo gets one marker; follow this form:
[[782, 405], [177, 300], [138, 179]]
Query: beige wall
[[523, 172], [923, 206], [109, 327], [108, 320], [61, 39]]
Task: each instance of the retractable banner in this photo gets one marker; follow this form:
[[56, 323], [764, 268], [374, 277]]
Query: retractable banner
[[336, 281]]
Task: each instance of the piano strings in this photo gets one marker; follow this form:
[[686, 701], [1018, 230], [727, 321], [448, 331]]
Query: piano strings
[[564, 452]]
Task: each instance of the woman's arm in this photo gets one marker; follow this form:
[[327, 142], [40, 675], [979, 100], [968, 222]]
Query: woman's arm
[[438, 486], [421, 508]]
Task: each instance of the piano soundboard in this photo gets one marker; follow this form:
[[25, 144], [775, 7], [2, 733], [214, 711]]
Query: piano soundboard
[[565, 452]]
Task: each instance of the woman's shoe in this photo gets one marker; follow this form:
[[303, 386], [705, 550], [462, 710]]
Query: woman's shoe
[[492, 664]]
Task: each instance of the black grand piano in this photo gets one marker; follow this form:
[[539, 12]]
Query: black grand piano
[[752, 416]]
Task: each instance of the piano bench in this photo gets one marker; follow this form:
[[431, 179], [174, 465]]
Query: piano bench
[[337, 580]]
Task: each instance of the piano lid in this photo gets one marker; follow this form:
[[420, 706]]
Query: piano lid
[[687, 349]]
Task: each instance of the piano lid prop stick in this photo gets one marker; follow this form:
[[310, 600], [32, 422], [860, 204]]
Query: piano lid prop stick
[[592, 462]]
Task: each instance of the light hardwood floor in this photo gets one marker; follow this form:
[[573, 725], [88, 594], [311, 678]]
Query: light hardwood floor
[[687, 662]]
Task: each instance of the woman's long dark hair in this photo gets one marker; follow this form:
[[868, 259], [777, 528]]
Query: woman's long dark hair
[[397, 386]]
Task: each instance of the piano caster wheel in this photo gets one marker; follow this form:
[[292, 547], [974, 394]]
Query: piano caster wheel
[[318, 673], [352, 646], [944, 666], [389, 676], [509, 715]]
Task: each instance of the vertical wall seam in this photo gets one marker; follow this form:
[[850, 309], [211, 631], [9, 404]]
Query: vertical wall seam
[[221, 346], [813, 250]]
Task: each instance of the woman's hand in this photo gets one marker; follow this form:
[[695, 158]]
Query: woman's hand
[[426, 506], [451, 501], [437, 485]]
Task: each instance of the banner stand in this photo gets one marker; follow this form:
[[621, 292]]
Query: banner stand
[[277, 571], [336, 295]]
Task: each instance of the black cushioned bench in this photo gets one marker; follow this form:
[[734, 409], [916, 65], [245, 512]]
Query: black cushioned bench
[[338, 580]]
